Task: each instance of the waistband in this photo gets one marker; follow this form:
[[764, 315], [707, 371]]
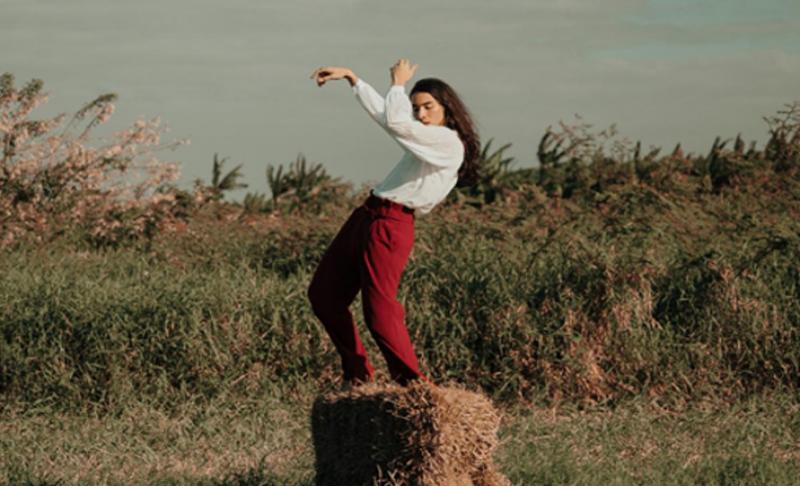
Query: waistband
[[387, 207]]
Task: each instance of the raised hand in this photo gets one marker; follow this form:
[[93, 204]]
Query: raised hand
[[332, 73], [402, 71]]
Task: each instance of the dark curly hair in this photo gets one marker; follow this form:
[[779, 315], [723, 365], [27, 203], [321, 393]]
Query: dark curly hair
[[458, 118]]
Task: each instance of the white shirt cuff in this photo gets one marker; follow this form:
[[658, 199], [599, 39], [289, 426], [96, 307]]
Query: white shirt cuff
[[357, 85]]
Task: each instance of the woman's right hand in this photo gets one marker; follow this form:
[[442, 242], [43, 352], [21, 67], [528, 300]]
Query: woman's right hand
[[332, 73]]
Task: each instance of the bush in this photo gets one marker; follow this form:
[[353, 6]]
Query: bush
[[53, 181], [593, 280]]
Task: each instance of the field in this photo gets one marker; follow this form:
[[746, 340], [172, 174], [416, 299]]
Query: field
[[267, 441], [635, 316]]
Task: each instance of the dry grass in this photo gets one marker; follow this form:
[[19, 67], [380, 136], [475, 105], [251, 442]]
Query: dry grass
[[753, 442], [143, 443], [269, 442], [419, 435]]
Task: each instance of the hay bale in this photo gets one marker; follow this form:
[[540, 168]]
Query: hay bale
[[415, 435]]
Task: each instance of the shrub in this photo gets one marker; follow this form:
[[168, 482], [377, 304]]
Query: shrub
[[53, 180]]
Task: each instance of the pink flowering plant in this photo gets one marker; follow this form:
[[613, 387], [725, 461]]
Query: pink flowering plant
[[54, 179]]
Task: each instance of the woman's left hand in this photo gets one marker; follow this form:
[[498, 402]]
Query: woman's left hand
[[402, 71]]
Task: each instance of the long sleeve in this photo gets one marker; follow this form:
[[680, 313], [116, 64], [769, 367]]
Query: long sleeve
[[371, 101], [436, 145]]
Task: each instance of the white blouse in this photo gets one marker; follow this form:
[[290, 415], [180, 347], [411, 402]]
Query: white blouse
[[431, 154]]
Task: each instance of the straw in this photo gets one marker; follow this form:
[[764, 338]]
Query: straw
[[416, 435]]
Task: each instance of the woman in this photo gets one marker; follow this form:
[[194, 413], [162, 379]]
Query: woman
[[370, 251]]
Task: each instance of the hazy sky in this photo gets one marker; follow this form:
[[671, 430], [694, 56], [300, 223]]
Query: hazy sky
[[233, 76]]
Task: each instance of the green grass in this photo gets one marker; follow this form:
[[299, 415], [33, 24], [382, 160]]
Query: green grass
[[652, 305], [754, 442], [268, 441], [224, 442], [533, 299]]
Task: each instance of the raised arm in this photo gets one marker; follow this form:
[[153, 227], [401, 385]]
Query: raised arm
[[366, 94], [332, 73], [436, 145], [371, 100]]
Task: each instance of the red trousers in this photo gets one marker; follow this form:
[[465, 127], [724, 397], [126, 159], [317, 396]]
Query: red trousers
[[368, 254]]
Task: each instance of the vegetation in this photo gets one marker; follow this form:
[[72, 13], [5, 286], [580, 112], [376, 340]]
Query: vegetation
[[220, 183], [265, 441], [608, 278], [53, 181]]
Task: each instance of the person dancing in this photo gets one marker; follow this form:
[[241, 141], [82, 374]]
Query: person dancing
[[440, 150]]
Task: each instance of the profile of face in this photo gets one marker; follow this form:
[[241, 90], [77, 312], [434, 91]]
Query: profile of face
[[427, 109]]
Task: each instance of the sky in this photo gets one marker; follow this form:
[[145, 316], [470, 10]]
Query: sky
[[233, 76]]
